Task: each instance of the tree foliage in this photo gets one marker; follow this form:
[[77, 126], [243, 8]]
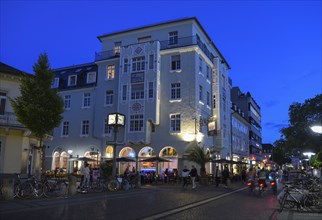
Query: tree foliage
[[298, 134], [199, 156], [39, 107], [279, 155]]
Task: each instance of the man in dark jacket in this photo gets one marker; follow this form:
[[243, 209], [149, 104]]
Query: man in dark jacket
[[225, 175], [193, 174]]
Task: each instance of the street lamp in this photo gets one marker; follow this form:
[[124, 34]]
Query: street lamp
[[115, 120], [317, 129]]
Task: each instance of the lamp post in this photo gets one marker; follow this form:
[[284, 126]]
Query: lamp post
[[115, 120]]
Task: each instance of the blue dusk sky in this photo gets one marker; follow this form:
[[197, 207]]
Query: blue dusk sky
[[273, 47]]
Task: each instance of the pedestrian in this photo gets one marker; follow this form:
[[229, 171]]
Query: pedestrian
[[166, 175], [86, 176], [217, 176], [185, 176], [193, 173], [243, 174], [225, 175], [82, 173]]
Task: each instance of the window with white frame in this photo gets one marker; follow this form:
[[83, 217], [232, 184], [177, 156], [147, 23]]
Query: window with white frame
[[136, 122], [175, 62], [208, 72], [138, 64], [110, 73], [175, 123], [200, 92], [72, 80], [126, 65], [173, 37], [91, 77], [65, 129], [55, 83], [67, 100], [208, 98], [151, 90], [85, 128], [124, 92], [117, 47], [175, 91], [87, 100], [107, 129], [109, 97], [137, 91], [151, 61]]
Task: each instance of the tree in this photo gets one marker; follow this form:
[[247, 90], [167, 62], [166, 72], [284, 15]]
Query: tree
[[199, 156], [301, 116], [280, 155], [39, 107]]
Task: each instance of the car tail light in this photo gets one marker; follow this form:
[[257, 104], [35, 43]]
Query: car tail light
[[261, 184], [249, 184], [272, 183]]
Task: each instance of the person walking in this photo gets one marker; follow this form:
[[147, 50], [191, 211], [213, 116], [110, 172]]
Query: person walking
[[193, 174], [225, 175], [185, 176], [217, 176]]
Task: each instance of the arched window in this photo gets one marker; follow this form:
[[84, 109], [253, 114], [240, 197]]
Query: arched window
[[147, 152], [56, 160], [63, 158], [127, 152], [168, 152], [109, 151]]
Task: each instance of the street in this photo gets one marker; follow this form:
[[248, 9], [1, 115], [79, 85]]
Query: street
[[151, 202]]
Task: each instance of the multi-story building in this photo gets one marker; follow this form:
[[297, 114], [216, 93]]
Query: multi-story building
[[17, 144], [168, 79], [252, 112]]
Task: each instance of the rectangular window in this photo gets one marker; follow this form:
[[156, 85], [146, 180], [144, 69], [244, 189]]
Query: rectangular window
[[117, 47], [151, 90], [175, 91], [109, 97], [144, 39], [126, 65], [110, 74], [208, 72], [91, 77], [136, 122], [173, 37], [124, 92], [138, 64], [137, 91], [87, 100], [67, 99], [107, 129], [65, 130], [3, 100], [175, 123], [151, 61], [208, 99], [85, 127], [72, 79], [200, 93], [55, 83], [200, 65], [175, 62]]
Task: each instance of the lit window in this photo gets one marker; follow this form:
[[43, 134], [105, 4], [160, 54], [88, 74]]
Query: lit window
[[117, 47], [144, 39], [110, 72]]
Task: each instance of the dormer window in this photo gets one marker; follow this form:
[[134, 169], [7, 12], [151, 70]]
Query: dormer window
[[91, 77], [55, 83], [173, 37], [117, 47], [72, 79]]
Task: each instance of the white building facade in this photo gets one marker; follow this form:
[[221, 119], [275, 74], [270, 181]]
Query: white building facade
[[171, 83]]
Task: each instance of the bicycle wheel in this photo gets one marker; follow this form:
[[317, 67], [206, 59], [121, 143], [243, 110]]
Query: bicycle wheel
[[38, 189], [113, 185], [24, 190], [125, 185], [49, 189]]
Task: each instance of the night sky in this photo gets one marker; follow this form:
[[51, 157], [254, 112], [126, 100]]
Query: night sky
[[273, 47]]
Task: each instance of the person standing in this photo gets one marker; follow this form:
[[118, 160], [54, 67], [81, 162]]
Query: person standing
[[217, 176], [225, 175], [193, 174], [86, 176], [82, 173], [185, 176]]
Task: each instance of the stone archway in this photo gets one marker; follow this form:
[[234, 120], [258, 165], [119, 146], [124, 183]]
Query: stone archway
[[169, 153]]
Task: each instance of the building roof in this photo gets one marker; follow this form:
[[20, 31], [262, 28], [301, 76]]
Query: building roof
[[167, 23], [4, 68]]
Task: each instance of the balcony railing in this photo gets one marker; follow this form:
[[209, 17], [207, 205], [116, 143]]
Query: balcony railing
[[164, 45], [10, 119]]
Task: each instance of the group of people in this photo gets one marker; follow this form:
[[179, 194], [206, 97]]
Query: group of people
[[186, 173]]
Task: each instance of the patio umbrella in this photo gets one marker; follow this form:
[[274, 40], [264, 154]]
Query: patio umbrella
[[124, 159], [84, 159]]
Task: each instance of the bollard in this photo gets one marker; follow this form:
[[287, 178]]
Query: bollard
[[72, 185], [8, 189]]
